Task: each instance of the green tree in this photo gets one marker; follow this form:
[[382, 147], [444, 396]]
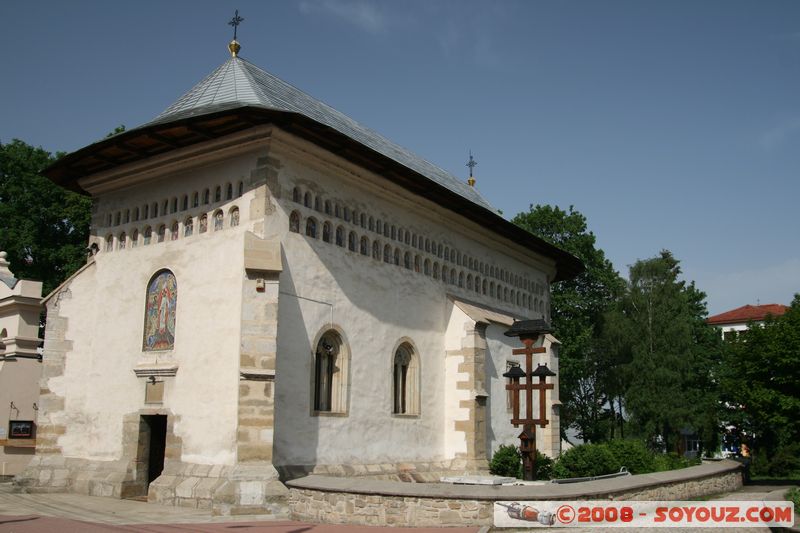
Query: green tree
[[674, 354], [45, 228], [577, 307], [760, 382]]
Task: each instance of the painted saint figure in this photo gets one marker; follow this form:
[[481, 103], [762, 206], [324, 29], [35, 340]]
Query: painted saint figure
[[159, 325]]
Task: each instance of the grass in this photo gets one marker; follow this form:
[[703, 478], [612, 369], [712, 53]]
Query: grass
[[793, 495]]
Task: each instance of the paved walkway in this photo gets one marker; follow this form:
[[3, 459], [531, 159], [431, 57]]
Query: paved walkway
[[68, 513]]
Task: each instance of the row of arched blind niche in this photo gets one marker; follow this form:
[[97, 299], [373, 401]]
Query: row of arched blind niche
[[413, 261], [402, 235], [173, 205], [172, 232]]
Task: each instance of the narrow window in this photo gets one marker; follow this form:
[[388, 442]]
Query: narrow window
[[327, 207], [363, 220], [397, 256], [196, 199], [351, 241], [109, 243], [407, 260], [219, 220], [188, 227], [229, 192], [469, 282], [148, 235], [364, 246], [330, 374], [174, 205], [155, 209], [122, 240], [427, 267], [206, 197], [234, 216], [203, 223], [379, 226], [478, 284], [185, 203], [326, 232], [376, 250], [135, 238], [340, 236], [294, 222], [394, 232], [174, 232], [371, 224], [307, 199], [317, 204], [127, 216], [118, 219], [165, 207], [136, 215], [436, 271], [218, 194], [461, 280], [146, 213], [405, 381], [311, 227], [347, 214], [296, 195], [387, 254], [162, 232], [240, 189], [416, 264]]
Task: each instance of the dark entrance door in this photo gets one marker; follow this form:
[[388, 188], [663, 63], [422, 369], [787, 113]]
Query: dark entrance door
[[155, 426]]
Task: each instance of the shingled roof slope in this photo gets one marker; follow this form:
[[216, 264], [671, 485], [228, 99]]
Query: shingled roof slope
[[747, 313], [239, 82]]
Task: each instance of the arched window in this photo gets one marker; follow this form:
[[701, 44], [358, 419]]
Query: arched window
[[127, 216], [294, 222], [417, 266], [121, 241], [229, 192], [330, 374], [397, 256], [195, 199], [318, 204], [394, 232], [118, 219], [203, 223], [146, 212], [307, 199], [326, 232], [327, 207], [427, 245], [469, 282], [155, 209], [206, 197], [337, 211], [478, 284], [400, 234], [311, 227], [240, 189], [407, 238], [387, 231], [296, 195], [347, 214], [234, 216], [339, 236], [174, 204], [218, 194], [461, 279], [173, 234], [109, 243], [135, 238], [439, 249], [379, 226], [371, 224], [505, 294], [414, 240], [427, 267], [376, 250], [148, 235], [407, 260], [405, 381], [162, 232], [447, 254], [185, 203], [436, 271], [219, 220], [188, 227], [351, 241], [364, 246], [485, 286], [159, 316], [165, 207], [363, 220], [387, 253], [136, 215]]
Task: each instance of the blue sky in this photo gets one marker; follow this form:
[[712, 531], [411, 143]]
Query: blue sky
[[672, 124]]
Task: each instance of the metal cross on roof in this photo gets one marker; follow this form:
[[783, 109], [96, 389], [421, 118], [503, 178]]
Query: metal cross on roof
[[235, 21], [472, 163]]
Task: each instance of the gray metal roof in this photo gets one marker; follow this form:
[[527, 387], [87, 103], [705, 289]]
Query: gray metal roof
[[240, 83]]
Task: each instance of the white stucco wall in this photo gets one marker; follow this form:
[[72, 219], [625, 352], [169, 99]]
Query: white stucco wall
[[105, 312]]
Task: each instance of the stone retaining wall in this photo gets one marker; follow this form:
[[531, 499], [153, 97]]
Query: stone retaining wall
[[385, 503]]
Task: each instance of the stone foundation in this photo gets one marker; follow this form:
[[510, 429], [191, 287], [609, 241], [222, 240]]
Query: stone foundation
[[381, 503], [417, 472]]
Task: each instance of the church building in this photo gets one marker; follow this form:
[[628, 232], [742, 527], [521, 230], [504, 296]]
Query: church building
[[272, 290]]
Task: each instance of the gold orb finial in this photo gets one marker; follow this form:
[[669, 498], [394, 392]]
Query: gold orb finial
[[234, 47], [471, 181], [471, 164]]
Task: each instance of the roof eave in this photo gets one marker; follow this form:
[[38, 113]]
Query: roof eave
[[160, 137]]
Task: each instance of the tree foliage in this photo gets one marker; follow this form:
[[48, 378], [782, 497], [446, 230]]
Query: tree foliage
[[45, 228], [760, 382], [660, 324], [587, 387]]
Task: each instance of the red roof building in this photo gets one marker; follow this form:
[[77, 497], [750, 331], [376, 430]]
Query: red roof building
[[747, 313]]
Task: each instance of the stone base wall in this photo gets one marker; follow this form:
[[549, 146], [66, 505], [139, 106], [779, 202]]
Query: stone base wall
[[379, 508], [225, 490]]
